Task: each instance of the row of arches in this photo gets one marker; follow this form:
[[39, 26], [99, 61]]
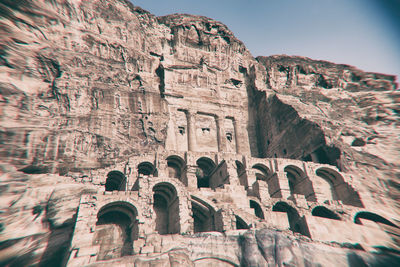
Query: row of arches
[[330, 184], [116, 180], [298, 224], [117, 223]]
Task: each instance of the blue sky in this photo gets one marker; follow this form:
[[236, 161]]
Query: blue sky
[[362, 33]]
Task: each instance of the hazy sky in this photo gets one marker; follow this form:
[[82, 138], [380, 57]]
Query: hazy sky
[[362, 33]]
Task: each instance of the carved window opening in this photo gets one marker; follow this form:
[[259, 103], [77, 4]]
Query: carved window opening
[[181, 130], [166, 208], [229, 137], [205, 130], [116, 180], [297, 224], [257, 209], [116, 229], [325, 213]]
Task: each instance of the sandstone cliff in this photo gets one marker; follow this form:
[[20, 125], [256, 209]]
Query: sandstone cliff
[[90, 84]]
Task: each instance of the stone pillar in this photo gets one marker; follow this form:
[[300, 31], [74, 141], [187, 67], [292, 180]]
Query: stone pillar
[[236, 126], [283, 185], [232, 172], [191, 176], [191, 133], [220, 133], [260, 189]]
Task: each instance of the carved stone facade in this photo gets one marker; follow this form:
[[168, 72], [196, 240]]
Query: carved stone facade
[[135, 140], [184, 193]]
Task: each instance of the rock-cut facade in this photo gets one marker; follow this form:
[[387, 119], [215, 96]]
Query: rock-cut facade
[[134, 140]]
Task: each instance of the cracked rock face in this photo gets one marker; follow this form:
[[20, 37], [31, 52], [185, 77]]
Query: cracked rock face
[[88, 84]]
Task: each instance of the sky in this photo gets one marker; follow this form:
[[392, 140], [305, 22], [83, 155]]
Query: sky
[[361, 33]]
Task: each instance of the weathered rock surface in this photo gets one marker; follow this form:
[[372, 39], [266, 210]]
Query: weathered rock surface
[[91, 86], [344, 116]]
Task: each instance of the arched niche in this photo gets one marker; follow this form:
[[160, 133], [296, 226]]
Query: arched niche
[[257, 209], [241, 172], [166, 208], [366, 215], [299, 183], [205, 218], [116, 180], [205, 167], [240, 223], [324, 212], [116, 229], [176, 168], [146, 169], [262, 171], [297, 224], [338, 189]]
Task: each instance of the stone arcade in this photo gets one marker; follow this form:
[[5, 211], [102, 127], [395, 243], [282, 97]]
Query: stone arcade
[[165, 193], [134, 140]]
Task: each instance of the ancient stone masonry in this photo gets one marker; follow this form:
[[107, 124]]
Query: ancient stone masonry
[[134, 140]]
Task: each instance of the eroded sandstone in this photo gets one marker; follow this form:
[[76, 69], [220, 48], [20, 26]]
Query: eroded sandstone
[[129, 139]]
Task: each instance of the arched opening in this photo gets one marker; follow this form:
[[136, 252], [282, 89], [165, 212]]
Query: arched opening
[[205, 167], [176, 167], [330, 178], [297, 224], [299, 183], [365, 215], [115, 181], [321, 211], [240, 223], [257, 209], [116, 229], [146, 168], [241, 172], [294, 175], [205, 218], [338, 188], [262, 171], [166, 208]]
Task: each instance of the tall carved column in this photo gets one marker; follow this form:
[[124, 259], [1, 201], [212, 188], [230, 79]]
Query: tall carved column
[[220, 133], [191, 133], [236, 126]]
